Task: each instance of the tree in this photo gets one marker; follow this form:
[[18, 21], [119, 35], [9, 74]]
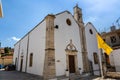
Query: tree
[[7, 49]]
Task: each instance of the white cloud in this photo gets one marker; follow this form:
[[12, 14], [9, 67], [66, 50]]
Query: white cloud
[[15, 38], [11, 41]]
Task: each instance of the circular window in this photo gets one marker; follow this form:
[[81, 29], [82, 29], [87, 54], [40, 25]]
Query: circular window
[[68, 22], [91, 32]]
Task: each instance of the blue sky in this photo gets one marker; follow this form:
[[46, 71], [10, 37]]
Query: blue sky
[[20, 16]]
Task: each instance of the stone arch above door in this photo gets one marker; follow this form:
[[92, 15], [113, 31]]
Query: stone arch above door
[[71, 49]]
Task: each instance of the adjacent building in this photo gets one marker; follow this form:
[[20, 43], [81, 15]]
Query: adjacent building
[[6, 58], [1, 51], [113, 39]]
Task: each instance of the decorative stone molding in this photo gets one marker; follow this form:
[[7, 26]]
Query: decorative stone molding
[[71, 50], [70, 46]]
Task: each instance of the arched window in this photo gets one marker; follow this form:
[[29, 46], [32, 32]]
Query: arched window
[[113, 39], [95, 58], [68, 21], [91, 32], [31, 60]]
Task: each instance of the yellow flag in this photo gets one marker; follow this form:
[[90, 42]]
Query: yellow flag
[[1, 10], [103, 45]]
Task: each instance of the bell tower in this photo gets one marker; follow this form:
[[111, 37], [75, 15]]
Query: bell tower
[[79, 20], [78, 14]]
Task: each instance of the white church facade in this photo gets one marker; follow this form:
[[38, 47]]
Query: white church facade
[[58, 44]]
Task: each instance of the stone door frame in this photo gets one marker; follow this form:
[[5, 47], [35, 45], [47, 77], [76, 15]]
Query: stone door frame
[[21, 65], [21, 62], [71, 50]]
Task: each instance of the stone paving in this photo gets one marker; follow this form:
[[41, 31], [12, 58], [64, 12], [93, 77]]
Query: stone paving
[[15, 75]]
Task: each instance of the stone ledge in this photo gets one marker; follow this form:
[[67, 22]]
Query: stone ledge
[[113, 74]]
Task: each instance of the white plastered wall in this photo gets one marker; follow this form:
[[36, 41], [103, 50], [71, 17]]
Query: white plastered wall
[[62, 38], [115, 59], [23, 52], [16, 49], [91, 41], [37, 47]]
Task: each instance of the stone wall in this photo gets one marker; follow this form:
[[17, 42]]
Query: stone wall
[[6, 61]]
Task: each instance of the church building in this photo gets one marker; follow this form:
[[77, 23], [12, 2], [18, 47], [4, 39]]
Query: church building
[[59, 43]]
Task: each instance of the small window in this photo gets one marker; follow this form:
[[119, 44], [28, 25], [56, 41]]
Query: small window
[[91, 32], [31, 60], [95, 58], [113, 39], [104, 39], [68, 22]]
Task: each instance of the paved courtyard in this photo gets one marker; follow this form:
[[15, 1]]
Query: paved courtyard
[[15, 75]]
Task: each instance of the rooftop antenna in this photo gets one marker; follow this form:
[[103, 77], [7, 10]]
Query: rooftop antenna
[[117, 21]]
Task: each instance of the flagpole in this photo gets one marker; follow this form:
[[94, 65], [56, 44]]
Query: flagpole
[[103, 68], [100, 62], [107, 49]]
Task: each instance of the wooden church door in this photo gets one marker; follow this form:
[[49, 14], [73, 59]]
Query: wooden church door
[[21, 64], [71, 64]]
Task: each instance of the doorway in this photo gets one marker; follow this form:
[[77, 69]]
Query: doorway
[[21, 64], [16, 63], [71, 63], [107, 60]]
